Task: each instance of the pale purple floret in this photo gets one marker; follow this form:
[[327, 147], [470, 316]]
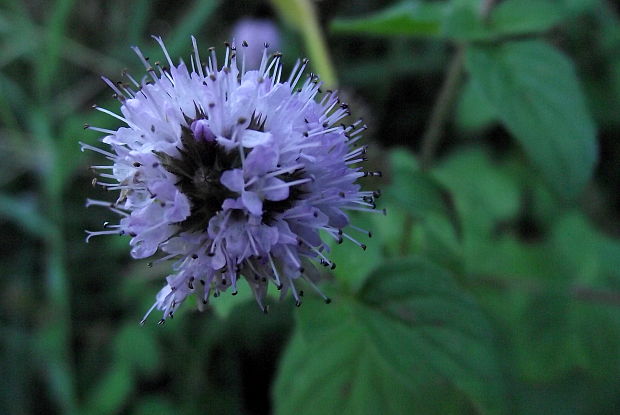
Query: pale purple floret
[[232, 173], [258, 32]]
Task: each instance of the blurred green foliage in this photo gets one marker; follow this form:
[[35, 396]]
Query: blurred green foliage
[[492, 286]]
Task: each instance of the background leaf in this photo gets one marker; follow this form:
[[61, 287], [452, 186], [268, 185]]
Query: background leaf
[[412, 18], [537, 96], [411, 323]]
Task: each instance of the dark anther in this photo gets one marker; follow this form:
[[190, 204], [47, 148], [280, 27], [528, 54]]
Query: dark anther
[[244, 44], [155, 165], [212, 77], [325, 124], [328, 300], [149, 264], [136, 164], [241, 120], [301, 293], [152, 128], [302, 269], [211, 104], [305, 134], [266, 44], [194, 256], [133, 234], [333, 266], [297, 303], [341, 194], [202, 282], [363, 246], [235, 292], [279, 286]]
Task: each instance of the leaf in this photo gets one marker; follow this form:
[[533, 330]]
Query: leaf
[[413, 18], [224, 304], [483, 192], [514, 17], [354, 264], [537, 96], [414, 190], [411, 340], [110, 393], [23, 212], [474, 112], [136, 347]]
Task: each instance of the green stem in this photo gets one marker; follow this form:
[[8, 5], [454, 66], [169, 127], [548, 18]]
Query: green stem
[[441, 109], [302, 15], [56, 335]]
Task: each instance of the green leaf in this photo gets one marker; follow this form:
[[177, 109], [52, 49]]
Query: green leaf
[[412, 18], [513, 17], [136, 347], [414, 190], [354, 264], [155, 405], [110, 393], [224, 304], [24, 213], [482, 190], [474, 111], [411, 340], [537, 95]]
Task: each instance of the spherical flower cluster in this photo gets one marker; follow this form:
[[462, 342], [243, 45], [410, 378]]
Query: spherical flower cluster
[[231, 172]]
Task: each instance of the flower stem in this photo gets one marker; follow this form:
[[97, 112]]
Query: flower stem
[[441, 109], [302, 14]]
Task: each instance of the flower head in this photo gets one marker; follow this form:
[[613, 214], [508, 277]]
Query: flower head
[[233, 173]]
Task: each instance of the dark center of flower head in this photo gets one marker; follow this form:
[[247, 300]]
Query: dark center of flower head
[[199, 168]]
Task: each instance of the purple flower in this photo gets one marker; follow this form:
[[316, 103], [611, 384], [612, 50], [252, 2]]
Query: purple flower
[[232, 174], [256, 33]]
